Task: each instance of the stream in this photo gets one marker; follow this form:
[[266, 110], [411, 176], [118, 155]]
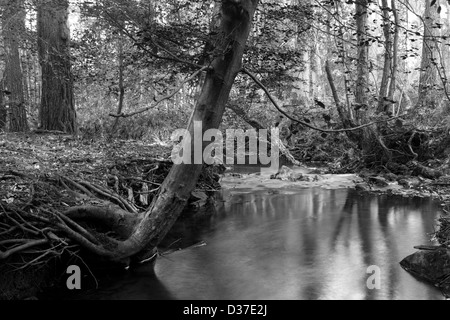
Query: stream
[[290, 243]]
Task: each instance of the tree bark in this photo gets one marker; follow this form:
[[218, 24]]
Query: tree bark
[[428, 94], [343, 114], [13, 24], [121, 85], [343, 54], [57, 110], [2, 108], [387, 68], [393, 82], [362, 72]]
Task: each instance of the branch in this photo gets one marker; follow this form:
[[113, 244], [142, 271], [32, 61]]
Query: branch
[[172, 57], [272, 99], [193, 76]]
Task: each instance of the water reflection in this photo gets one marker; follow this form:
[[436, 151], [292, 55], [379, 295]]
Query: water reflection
[[311, 244]]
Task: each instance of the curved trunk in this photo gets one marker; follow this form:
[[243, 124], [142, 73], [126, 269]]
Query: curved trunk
[[157, 221]]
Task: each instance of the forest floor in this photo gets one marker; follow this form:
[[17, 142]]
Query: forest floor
[[38, 173], [38, 170]]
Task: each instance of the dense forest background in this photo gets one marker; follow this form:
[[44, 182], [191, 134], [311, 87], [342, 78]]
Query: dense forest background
[[127, 68]]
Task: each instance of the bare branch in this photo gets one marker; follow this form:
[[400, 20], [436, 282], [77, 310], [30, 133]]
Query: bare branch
[[272, 99], [170, 95]]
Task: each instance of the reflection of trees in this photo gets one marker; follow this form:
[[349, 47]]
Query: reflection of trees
[[378, 223], [314, 244]]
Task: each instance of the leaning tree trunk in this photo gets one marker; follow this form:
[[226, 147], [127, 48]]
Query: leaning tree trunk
[[344, 116], [13, 25], [153, 225], [428, 94], [57, 110], [235, 28]]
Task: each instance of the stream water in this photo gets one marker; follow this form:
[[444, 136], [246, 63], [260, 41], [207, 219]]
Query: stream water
[[304, 244]]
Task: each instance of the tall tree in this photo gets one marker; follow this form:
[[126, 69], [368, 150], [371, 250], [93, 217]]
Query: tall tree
[[362, 66], [13, 25], [388, 81], [393, 83], [388, 57], [57, 110], [370, 141], [428, 94]]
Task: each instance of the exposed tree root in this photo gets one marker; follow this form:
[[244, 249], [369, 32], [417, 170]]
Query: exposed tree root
[[62, 214]]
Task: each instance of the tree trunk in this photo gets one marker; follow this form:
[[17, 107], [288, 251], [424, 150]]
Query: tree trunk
[[362, 72], [343, 54], [235, 26], [13, 24], [2, 108], [343, 114], [370, 142], [121, 85], [393, 82], [57, 110], [428, 94], [387, 69]]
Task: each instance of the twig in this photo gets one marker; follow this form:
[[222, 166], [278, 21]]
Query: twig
[[170, 95], [95, 279], [8, 231]]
